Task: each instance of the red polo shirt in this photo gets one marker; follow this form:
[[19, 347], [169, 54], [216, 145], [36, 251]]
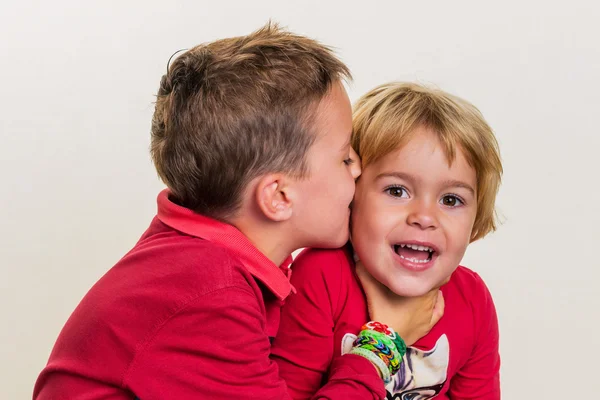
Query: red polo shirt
[[188, 313]]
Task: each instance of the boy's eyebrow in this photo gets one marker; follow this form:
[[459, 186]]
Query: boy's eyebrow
[[346, 143], [412, 179]]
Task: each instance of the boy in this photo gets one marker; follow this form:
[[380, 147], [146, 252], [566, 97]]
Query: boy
[[431, 171], [252, 137]]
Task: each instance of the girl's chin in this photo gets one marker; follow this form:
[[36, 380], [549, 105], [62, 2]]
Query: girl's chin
[[410, 290]]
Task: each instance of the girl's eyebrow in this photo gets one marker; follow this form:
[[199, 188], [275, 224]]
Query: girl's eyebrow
[[397, 174], [459, 184], [407, 177]]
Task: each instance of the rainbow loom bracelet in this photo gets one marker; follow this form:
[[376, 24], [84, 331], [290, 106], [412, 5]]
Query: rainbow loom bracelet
[[379, 327], [382, 346]]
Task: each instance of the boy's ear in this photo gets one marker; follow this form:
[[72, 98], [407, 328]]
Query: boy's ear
[[273, 197]]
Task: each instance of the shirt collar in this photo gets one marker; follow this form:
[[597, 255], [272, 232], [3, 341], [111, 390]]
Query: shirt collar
[[276, 279]]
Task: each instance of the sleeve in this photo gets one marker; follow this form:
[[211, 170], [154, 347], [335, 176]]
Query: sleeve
[[304, 347], [479, 378], [58, 384], [216, 347]]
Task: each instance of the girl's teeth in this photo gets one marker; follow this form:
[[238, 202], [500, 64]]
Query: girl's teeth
[[415, 260], [417, 247]]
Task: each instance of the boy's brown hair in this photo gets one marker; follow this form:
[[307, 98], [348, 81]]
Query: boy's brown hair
[[234, 109], [385, 118]]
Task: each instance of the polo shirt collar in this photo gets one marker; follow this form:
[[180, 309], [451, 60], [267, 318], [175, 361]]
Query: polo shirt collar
[[182, 219]]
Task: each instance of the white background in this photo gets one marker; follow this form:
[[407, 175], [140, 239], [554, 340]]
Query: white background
[[78, 188]]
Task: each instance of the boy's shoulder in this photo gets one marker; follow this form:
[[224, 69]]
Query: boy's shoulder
[[155, 296], [179, 262], [161, 274], [164, 273]]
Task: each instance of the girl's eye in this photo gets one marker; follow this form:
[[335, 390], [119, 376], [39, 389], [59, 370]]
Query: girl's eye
[[397, 191], [451, 200], [348, 161]]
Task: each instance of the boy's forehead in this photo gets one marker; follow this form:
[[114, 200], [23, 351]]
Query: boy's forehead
[[333, 117]]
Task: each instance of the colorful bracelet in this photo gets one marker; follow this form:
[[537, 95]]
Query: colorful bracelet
[[386, 330], [382, 346]]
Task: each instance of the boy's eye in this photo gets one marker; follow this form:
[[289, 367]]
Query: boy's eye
[[397, 191], [348, 161], [451, 200]]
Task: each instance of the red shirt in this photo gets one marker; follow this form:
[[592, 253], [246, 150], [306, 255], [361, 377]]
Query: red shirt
[[458, 359], [188, 313]]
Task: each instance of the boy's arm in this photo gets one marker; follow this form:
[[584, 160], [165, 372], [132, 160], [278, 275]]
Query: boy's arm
[[479, 378], [216, 347]]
